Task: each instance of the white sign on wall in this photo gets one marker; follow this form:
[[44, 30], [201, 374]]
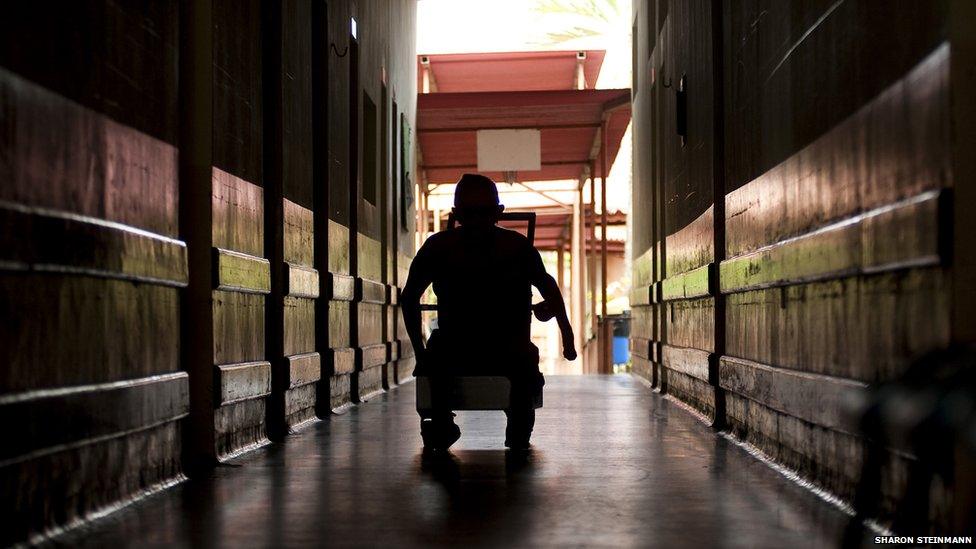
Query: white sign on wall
[[509, 150]]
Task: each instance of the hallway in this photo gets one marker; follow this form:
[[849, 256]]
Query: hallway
[[612, 465], [210, 211]]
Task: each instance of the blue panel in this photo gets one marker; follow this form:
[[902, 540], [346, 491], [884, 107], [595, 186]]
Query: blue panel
[[621, 350]]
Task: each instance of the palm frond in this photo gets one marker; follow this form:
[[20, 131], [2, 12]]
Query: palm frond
[[567, 35], [577, 18]]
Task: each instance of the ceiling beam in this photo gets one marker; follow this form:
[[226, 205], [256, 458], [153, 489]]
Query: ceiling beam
[[615, 104], [545, 195], [475, 166], [511, 127]]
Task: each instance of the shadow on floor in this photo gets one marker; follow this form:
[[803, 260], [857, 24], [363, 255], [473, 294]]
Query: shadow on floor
[[612, 464]]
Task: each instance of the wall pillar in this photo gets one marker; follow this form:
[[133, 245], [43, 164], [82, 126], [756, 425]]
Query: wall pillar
[[289, 217], [196, 222]]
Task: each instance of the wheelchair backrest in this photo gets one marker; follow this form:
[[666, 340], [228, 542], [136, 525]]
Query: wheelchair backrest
[[508, 220]]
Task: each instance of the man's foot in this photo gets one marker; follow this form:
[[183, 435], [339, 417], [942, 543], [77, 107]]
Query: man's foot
[[439, 436]]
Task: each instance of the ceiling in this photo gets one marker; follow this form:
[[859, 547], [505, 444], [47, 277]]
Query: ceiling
[[522, 90]]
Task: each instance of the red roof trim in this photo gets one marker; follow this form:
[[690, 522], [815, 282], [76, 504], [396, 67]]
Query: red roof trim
[[511, 99]]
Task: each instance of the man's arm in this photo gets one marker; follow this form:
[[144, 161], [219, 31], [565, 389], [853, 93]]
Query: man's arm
[[418, 280], [549, 289]]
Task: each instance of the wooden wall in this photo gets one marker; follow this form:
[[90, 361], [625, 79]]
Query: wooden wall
[[370, 239], [91, 264], [790, 247], [186, 266]]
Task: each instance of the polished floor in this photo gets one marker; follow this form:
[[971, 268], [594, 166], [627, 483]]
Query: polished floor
[[613, 465]]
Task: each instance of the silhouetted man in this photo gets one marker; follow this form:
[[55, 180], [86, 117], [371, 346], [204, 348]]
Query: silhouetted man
[[482, 276]]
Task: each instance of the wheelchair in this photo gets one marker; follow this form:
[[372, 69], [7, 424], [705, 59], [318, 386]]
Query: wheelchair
[[474, 392]]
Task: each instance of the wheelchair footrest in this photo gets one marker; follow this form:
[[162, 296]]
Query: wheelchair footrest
[[470, 393]]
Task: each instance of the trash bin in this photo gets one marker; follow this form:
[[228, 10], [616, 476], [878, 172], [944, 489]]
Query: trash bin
[[620, 324]]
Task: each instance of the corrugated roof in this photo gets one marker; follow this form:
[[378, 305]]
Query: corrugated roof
[[508, 71], [569, 121]]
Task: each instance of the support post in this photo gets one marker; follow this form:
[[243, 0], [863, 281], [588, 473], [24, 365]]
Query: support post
[[274, 127], [421, 213], [560, 266], [718, 209], [590, 242], [584, 274], [579, 270], [320, 194], [425, 213], [605, 358], [196, 228]]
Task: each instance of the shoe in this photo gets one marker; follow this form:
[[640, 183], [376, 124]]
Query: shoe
[[518, 444], [438, 437]]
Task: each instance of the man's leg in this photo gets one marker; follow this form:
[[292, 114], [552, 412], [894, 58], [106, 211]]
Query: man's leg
[[437, 426], [521, 411], [519, 428]]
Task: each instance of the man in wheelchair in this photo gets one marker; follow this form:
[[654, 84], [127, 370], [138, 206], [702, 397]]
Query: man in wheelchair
[[482, 276]]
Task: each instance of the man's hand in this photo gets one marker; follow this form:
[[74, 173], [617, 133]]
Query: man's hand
[[546, 311], [543, 311], [569, 350], [553, 306]]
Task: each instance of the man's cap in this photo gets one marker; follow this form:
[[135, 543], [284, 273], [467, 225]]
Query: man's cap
[[475, 191]]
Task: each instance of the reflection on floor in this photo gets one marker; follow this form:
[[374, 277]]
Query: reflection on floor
[[613, 464]]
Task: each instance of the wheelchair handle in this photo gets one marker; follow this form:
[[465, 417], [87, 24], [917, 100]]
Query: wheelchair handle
[[540, 309]]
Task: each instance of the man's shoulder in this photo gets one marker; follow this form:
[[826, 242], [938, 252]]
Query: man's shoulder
[[438, 240], [512, 237], [517, 248]]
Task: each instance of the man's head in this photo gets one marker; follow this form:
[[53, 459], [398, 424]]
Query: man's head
[[476, 201]]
